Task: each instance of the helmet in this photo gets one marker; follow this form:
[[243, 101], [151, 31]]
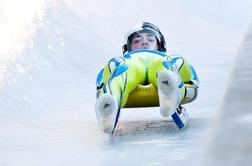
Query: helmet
[[148, 28]]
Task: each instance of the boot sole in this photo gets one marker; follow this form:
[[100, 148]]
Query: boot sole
[[168, 93], [106, 109]]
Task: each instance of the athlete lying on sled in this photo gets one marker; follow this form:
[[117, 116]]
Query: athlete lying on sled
[[145, 76]]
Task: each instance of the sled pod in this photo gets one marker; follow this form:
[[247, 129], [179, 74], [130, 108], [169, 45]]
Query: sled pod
[[143, 96]]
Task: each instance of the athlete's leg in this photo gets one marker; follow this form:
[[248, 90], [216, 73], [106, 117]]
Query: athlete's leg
[[110, 84], [117, 80], [191, 82], [163, 74]]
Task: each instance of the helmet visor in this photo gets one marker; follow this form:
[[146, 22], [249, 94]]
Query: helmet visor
[[143, 39]]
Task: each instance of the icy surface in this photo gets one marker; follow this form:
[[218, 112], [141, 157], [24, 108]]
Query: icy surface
[[49, 58]]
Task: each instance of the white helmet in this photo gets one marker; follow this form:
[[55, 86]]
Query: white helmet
[[144, 27]]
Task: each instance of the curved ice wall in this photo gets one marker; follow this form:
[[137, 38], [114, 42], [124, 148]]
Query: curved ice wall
[[231, 135]]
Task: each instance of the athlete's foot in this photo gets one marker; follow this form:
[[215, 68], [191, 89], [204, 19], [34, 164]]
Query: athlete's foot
[[106, 109], [168, 93]]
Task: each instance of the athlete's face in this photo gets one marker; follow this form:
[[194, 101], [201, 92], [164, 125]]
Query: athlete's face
[[144, 41]]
